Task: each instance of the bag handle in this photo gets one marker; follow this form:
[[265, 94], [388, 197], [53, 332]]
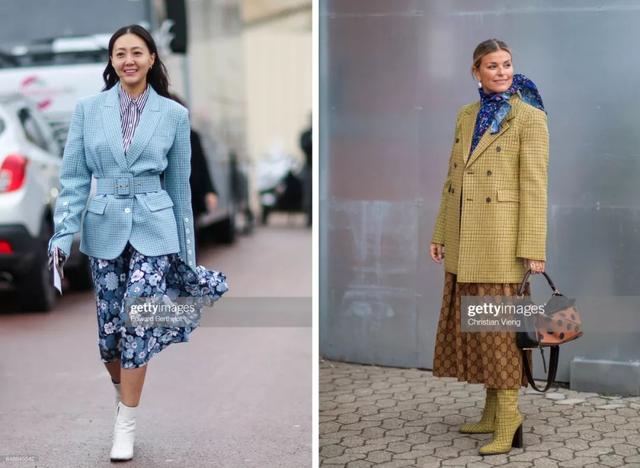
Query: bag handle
[[526, 277], [553, 368]]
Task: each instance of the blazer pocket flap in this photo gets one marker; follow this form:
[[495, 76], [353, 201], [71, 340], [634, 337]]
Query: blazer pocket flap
[[508, 195], [158, 202], [96, 206]]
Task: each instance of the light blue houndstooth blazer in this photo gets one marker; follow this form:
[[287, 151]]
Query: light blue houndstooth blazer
[[155, 223]]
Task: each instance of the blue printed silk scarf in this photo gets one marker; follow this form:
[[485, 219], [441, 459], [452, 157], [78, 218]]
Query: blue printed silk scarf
[[494, 107]]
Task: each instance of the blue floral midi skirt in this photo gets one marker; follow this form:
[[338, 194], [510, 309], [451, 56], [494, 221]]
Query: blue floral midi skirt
[[133, 275]]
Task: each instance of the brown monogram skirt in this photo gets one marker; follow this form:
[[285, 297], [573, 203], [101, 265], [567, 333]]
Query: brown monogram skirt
[[491, 358]]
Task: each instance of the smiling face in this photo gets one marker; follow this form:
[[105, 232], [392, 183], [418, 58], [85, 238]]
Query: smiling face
[[495, 72], [132, 61]]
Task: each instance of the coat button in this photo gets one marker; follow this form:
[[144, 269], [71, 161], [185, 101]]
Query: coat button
[[453, 190], [457, 140], [489, 173], [455, 165], [488, 199], [127, 210], [498, 149]]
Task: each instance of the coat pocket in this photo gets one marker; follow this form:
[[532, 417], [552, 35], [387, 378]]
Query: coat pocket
[[96, 206], [158, 201], [508, 196]]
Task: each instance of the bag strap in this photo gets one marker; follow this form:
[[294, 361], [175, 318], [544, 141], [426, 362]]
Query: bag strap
[[526, 277], [553, 368]]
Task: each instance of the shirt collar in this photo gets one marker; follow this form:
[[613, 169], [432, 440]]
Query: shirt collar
[[126, 100]]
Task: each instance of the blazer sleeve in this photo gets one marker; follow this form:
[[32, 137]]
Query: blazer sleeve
[[534, 161], [438, 230], [176, 180], [75, 183]]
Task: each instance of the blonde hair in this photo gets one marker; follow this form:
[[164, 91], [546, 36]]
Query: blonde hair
[[487, 47]]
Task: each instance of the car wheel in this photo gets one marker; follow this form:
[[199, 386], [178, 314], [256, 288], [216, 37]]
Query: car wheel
[[35, 287]]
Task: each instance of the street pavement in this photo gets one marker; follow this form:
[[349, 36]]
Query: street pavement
[[389, 417], [231, 397]]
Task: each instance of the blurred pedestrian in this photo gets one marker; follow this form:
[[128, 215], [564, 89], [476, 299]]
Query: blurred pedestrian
[[138, 229], [204, 196], [307, 174], [240, 192], [491, 227]]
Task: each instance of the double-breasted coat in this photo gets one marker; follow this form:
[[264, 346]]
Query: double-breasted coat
[[493, 208]]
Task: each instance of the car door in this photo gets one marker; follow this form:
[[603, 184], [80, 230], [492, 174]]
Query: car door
[[45, 159]]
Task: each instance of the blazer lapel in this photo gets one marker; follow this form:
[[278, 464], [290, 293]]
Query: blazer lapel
[[467, 125], [146, 127], [113, 127]]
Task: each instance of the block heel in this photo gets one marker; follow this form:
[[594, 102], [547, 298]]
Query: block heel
[[518, 438]]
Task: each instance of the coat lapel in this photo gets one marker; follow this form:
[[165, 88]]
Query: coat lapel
[[146, 127], [466, 128], [113, 127], [489, 137]]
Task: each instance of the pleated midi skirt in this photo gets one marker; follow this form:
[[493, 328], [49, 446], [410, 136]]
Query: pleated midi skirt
[[491, 358]]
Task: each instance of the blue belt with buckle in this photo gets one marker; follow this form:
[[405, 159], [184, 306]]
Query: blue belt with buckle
[[128, 186]]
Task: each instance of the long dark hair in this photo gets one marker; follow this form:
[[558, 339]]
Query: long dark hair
[[157, 75]]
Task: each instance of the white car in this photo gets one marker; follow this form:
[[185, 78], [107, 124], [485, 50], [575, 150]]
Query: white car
[[30, 159]]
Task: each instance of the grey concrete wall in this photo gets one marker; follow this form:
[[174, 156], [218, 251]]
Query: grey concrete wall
[[392, 76]]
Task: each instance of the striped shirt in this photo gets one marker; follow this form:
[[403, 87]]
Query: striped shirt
[[130, 112]]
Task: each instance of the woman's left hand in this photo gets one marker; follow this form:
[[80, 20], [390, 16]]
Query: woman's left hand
[[536, 266]]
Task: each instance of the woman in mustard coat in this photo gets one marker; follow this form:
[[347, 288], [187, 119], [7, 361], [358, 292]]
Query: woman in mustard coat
[[492, 226]]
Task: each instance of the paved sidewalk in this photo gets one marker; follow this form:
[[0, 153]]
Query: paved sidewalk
[[233, 397], [391, 417]]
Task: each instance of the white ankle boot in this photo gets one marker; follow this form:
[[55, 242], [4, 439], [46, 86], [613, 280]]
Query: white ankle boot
[[116, 386], [124, 433]]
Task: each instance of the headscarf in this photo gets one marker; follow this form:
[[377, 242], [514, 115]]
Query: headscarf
[[494, 107]]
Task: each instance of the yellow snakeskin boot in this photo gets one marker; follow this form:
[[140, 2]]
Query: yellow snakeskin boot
[[486, 423], [508, 426]]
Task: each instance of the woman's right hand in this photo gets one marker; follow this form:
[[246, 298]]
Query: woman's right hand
[[437, 252]]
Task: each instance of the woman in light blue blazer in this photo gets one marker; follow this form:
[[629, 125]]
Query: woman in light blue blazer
[[138, 229]]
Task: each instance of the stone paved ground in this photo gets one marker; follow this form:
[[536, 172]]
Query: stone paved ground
[[391, 417]]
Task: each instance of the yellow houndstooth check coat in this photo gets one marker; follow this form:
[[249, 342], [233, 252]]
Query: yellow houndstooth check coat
[[493, 209]]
